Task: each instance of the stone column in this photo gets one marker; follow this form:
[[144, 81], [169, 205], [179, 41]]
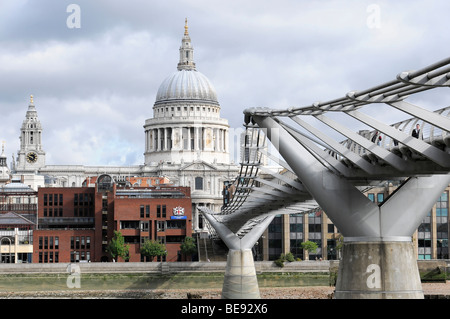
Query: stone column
[[188, 146], [165, 140], [196, 139], [378, 270], [226, 141], [240, 281]]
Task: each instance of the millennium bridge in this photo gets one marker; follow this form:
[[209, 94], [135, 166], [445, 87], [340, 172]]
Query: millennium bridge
[[328, 161]]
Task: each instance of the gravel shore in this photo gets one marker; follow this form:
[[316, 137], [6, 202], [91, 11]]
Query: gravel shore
[[431, 290]]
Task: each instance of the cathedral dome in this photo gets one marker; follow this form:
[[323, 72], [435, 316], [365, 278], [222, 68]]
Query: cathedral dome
[[186, 85]]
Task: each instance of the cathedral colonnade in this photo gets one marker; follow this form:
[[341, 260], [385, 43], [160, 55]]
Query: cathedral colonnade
[[190, 138]]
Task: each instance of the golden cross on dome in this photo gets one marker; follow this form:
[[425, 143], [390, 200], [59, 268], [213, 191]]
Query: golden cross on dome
[[31, 99], [186, 27]]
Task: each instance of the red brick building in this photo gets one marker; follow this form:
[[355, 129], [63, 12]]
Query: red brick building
[[76, 224]]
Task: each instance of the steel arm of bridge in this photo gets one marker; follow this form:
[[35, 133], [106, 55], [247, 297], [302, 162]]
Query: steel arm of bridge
[[234, 242], [240, 281], [351, 211], [428, 116]]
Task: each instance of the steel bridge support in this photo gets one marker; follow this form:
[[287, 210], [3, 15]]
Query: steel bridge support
[[240, 281], [378, 258]]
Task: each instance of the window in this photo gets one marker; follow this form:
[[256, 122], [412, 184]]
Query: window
[[442, 227], [161, 225], [176, 224], [199, 183], [330, 228], [129, 224], [142, 211], [380, 197], [371, 197], [275, 242], [147, 211], [442, 205], [163, 211], [145, 226], [296, 228], [158, 211], [424, 239], [174, 239]]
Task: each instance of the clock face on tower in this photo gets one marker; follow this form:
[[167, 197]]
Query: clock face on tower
[[32, 157]]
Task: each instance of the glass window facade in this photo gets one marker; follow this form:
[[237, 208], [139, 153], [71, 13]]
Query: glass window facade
[[431, 239]]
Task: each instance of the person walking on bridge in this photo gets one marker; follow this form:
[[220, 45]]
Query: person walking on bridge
[[416, 131]]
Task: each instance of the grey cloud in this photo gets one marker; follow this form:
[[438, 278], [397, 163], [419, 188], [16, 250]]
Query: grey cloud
[[100, 81]]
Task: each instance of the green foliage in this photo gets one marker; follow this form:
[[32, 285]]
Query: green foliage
[[188, 246], [117, 248], [310, 246], [284, 257], [153, 248], [279, 262], [290, 257]]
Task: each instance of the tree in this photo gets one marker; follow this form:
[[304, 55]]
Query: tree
[[117, 247], [153, 248], [310, 246], [188, 246]]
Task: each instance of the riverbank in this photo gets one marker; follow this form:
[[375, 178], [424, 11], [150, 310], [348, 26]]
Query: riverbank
[[431, 291]]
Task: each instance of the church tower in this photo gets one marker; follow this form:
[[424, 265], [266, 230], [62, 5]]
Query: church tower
[[5, 174], [186, 52], [31, 156]]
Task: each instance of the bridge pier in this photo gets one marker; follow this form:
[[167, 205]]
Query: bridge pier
[[240, 281], [378, 270]]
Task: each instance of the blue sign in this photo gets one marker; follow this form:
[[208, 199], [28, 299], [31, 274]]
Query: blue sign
[[178, 217]]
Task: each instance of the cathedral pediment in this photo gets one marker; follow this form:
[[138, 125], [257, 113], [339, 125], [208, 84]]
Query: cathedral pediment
[[198, 166]]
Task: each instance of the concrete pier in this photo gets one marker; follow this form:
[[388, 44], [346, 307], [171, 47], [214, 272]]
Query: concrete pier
[[240, 281], [378, 270]]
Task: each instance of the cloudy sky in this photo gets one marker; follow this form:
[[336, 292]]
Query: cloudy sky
[[95, 84]]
